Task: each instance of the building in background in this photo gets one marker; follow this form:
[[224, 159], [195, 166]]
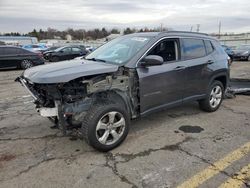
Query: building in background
[[234, 40], [18, 40]]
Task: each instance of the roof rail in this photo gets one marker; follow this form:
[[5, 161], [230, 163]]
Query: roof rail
[[188, 32]]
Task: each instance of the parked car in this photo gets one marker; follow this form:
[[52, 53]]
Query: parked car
[[15, 57], [90, 48], [64, 53], [242, 52], [35, 47], [50, 49], [229, 51], [146, 72]]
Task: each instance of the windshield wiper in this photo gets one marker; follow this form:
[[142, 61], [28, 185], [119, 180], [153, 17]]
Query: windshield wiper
[[94, 59]]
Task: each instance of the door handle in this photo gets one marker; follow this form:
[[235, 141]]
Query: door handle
[[179, 68], [209, 62]]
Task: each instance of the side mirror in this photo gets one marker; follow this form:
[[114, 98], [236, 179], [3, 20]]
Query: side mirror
[[151, 60], [61, 51]]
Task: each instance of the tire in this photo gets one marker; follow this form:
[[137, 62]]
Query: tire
[[54, 59], [214, 97], [98, 128], [25, 64]]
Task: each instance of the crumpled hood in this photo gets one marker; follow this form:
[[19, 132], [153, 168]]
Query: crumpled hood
[[67, 70]]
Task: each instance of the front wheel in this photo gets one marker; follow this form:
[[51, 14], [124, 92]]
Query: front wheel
[[106, 125], [214, 97]]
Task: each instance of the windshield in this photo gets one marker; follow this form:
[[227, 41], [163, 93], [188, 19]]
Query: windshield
[[119, 50], [243, 47]]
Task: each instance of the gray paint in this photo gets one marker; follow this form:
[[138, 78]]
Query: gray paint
[[67, 70]]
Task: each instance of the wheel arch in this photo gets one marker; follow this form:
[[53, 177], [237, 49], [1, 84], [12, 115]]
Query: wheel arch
[[223, 77], [115, 95]]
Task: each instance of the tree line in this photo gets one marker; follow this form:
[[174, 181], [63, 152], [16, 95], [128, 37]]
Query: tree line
[[80, 34]]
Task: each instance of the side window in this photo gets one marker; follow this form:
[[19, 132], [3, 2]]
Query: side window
[[66, 50], [76, 50], [2, 51], [10, 51], [167, 49], [22, 51], [209, 46], [192, 48]]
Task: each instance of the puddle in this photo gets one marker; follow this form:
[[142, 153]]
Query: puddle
[[191, 129]]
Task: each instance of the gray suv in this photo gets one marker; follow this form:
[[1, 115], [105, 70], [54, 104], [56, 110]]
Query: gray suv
[[129, 77]]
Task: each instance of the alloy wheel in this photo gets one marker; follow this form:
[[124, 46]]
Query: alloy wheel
[[26, 64], [110, 128], [215, 96]]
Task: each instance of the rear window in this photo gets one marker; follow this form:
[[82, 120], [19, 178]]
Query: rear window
[[209, 46], [193, 48]]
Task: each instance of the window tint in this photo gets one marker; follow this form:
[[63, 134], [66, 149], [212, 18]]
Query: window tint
[[22, 51], [209, 46], [167, 49], [10, 51], [66, 49], [193, 48], [76, 49], [1, 51]]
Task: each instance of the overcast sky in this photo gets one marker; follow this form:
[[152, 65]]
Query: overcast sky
[[24, 15]]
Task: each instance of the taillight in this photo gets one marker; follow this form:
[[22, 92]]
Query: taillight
[[229, 61]]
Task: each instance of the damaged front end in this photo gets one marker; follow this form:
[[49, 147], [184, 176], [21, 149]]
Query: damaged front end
[[67, 103]]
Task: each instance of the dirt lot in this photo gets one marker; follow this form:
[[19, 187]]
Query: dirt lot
[[182, 147]]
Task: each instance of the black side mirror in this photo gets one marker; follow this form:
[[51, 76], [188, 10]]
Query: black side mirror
[[151, 60]]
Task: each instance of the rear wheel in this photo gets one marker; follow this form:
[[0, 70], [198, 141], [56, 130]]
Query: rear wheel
[[106, 125], [214, 97], [25, 64]]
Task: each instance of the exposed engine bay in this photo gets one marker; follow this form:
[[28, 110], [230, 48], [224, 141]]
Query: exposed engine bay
[[67, 103]]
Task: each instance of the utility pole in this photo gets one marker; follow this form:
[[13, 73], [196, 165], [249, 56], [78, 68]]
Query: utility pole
[[161, 27], [219, 28], [191, 29], [198, 28]]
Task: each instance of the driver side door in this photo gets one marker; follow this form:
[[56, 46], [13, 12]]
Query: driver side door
[[161, 86]]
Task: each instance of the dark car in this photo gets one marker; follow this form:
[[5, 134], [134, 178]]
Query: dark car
[[15, 57], [127, 78], [50, 49], [64, 53], [242, 52], [229, 51]]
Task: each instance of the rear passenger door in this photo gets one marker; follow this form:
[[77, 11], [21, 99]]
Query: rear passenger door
[[196, 60]]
